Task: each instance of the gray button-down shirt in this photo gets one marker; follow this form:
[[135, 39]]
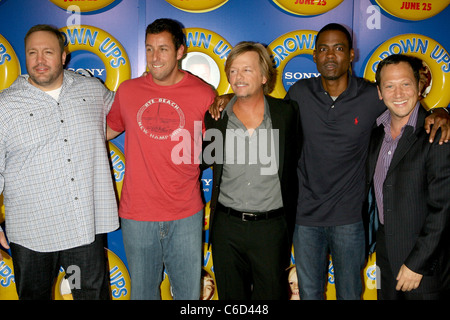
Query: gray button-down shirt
[[54, 167], [250, 181]]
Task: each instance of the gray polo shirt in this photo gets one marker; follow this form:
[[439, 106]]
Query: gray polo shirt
[[250, 181]]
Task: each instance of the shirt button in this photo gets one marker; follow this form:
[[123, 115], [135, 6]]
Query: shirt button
[[332, 107], [62, 121]]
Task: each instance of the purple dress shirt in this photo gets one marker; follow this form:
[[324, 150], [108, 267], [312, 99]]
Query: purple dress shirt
[[387, 153]]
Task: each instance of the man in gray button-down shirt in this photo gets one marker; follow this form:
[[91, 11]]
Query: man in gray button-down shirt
[[254, 149]]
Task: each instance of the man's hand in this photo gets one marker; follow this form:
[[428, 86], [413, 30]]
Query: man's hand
[[219, 104], [3, 243], [439, 119], [407, 279]]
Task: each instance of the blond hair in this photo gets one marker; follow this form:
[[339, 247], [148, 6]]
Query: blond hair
[[265, 63]]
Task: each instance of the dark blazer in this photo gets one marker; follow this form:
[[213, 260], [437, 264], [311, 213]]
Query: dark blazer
[[416, 200], [285, 117]]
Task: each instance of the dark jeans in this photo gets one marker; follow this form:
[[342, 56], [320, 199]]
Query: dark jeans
[[35, 272], [346, 245]]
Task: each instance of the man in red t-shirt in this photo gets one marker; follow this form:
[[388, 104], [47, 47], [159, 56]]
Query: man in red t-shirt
[[161, 207]]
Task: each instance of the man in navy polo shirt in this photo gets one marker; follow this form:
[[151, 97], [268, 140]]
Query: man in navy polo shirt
[[337, 112]]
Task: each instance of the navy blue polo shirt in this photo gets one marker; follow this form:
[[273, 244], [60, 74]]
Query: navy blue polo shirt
[[336, 136]]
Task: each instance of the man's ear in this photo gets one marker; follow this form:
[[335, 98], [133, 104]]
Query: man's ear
[[379, 93], [180, 52], [63, 57]]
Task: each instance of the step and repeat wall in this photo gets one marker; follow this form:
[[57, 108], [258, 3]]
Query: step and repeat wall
[[106, 39]]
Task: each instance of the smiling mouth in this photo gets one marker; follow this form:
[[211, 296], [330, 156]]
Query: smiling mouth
[[400, 102], [41, 69]]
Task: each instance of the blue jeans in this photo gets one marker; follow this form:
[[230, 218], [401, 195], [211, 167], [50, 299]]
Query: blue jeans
[[176, 245], [346, 244]]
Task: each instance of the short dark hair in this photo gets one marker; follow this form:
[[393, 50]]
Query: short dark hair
[[169, 25], [336, 27], [46, 28], [415, 63]]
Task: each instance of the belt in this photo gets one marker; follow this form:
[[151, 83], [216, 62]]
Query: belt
[[251, 216]]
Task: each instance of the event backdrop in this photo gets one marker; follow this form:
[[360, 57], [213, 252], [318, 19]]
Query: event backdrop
[[106, 39]]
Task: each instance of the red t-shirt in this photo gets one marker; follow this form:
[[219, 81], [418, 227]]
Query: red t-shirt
[[161, 180]]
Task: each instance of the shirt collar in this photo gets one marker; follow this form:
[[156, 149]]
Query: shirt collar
[[385, 118], [351, 90], [67, 79], [229, 108]]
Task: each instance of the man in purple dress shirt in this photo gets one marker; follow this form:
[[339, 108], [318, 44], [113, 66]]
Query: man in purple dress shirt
[[411, 183]]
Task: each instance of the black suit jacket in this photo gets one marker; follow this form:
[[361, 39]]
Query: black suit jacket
[[416, 201], [285, 117]]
